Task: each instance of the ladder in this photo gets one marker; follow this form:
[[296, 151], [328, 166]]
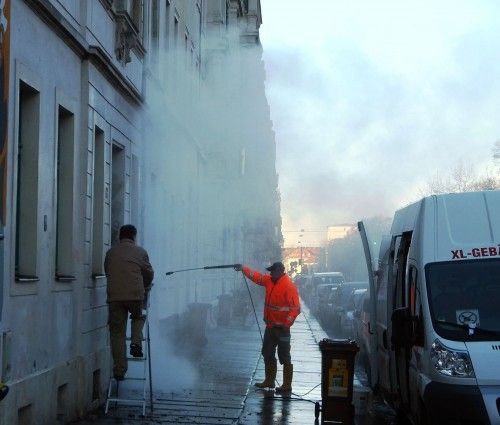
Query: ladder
[[114, 385]]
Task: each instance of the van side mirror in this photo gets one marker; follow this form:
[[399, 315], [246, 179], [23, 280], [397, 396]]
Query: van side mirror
[[401, 327]]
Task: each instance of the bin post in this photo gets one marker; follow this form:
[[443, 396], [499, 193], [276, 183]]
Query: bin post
[[337, 377]]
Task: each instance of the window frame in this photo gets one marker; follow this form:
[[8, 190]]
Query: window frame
[[25, 284]]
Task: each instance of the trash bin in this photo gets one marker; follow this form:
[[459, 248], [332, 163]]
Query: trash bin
[[337, 376]]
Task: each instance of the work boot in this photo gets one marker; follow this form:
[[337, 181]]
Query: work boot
[[136, 350], [270, 370], [287, 379]]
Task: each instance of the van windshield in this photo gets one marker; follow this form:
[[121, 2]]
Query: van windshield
[[463, 299]]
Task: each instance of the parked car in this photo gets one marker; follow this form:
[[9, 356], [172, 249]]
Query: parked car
[[318, 279], [340, 300], [327, 315], [323, 292], [347, 315], [304, 286]]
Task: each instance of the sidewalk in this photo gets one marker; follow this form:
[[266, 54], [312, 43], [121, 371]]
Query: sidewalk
[[223, 391]]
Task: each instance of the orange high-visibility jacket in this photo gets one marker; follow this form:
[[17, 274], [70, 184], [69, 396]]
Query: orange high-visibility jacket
[[282, 304]]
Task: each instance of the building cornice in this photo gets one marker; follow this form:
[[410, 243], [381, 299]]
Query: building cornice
[[46, 11]]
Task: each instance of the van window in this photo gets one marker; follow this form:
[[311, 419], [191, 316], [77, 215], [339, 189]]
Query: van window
[[415, 303], [413, 290], [463, 294], [400, 299]]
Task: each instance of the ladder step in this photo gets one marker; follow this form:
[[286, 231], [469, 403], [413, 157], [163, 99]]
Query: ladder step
[[134, 379], [136, 359], [126, 400]]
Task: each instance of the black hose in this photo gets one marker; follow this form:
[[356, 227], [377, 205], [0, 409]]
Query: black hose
[[253, 307]]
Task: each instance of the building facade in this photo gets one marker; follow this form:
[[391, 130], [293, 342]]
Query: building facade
[[115, 112]]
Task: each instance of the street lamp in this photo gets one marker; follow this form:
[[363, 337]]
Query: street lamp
[[301, 251]]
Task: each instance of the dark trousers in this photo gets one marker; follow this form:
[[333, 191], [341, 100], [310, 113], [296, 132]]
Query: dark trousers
[[117, 322], [277, 337]]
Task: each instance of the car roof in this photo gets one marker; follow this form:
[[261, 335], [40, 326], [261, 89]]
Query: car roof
[[360, 291], [328, 274]]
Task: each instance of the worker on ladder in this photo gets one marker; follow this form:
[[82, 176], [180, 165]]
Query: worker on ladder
[[129, 276]]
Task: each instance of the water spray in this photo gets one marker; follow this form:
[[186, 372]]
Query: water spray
[[297, 397]]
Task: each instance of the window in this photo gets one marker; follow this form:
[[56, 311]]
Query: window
[[27, 184], [134, 190], [137, 14], [64, 194], [155, 24], [117, 191], [167, 23], [176, 31], [416, 307], [98, 204], [465, 294]]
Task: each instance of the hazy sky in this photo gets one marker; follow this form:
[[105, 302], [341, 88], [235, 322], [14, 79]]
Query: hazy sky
[[370, 100]]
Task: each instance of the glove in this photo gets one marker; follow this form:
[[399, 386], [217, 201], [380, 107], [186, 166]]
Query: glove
[[237, 267]]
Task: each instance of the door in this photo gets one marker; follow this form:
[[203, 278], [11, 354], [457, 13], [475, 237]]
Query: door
[[417, 330], [373, 352], [401, 299]]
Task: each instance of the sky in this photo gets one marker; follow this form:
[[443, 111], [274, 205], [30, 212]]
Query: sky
[[371, 100]]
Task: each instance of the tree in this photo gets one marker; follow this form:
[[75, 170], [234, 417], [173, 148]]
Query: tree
[[496, 154], [462, 178]]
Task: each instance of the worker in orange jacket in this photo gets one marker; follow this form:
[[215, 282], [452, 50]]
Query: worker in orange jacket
[[281, 307]]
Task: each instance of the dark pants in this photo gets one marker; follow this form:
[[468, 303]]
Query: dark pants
[[277, 337], [117, 322]]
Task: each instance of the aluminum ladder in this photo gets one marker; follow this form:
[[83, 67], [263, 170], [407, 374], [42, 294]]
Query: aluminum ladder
[[114, 385]]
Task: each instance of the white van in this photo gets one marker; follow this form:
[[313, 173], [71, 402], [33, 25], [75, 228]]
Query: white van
[[435, 300]]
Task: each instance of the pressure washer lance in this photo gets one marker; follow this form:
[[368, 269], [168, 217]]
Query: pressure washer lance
[[225, 266]]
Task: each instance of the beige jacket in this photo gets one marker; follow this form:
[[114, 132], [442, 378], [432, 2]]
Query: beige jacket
[[128, 271]]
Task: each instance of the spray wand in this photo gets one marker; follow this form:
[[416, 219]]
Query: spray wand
[[225, 266]]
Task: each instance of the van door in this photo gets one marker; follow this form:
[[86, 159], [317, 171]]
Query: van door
[[401, 299], [418, 339], [373, 304]]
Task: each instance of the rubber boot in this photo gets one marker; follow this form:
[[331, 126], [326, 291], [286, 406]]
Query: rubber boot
[[287, 379], [270, 370]]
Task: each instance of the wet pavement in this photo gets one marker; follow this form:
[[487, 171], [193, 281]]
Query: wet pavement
[[223, 391]]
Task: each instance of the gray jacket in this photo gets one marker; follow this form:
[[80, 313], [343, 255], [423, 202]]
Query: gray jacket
[[128, 271]]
